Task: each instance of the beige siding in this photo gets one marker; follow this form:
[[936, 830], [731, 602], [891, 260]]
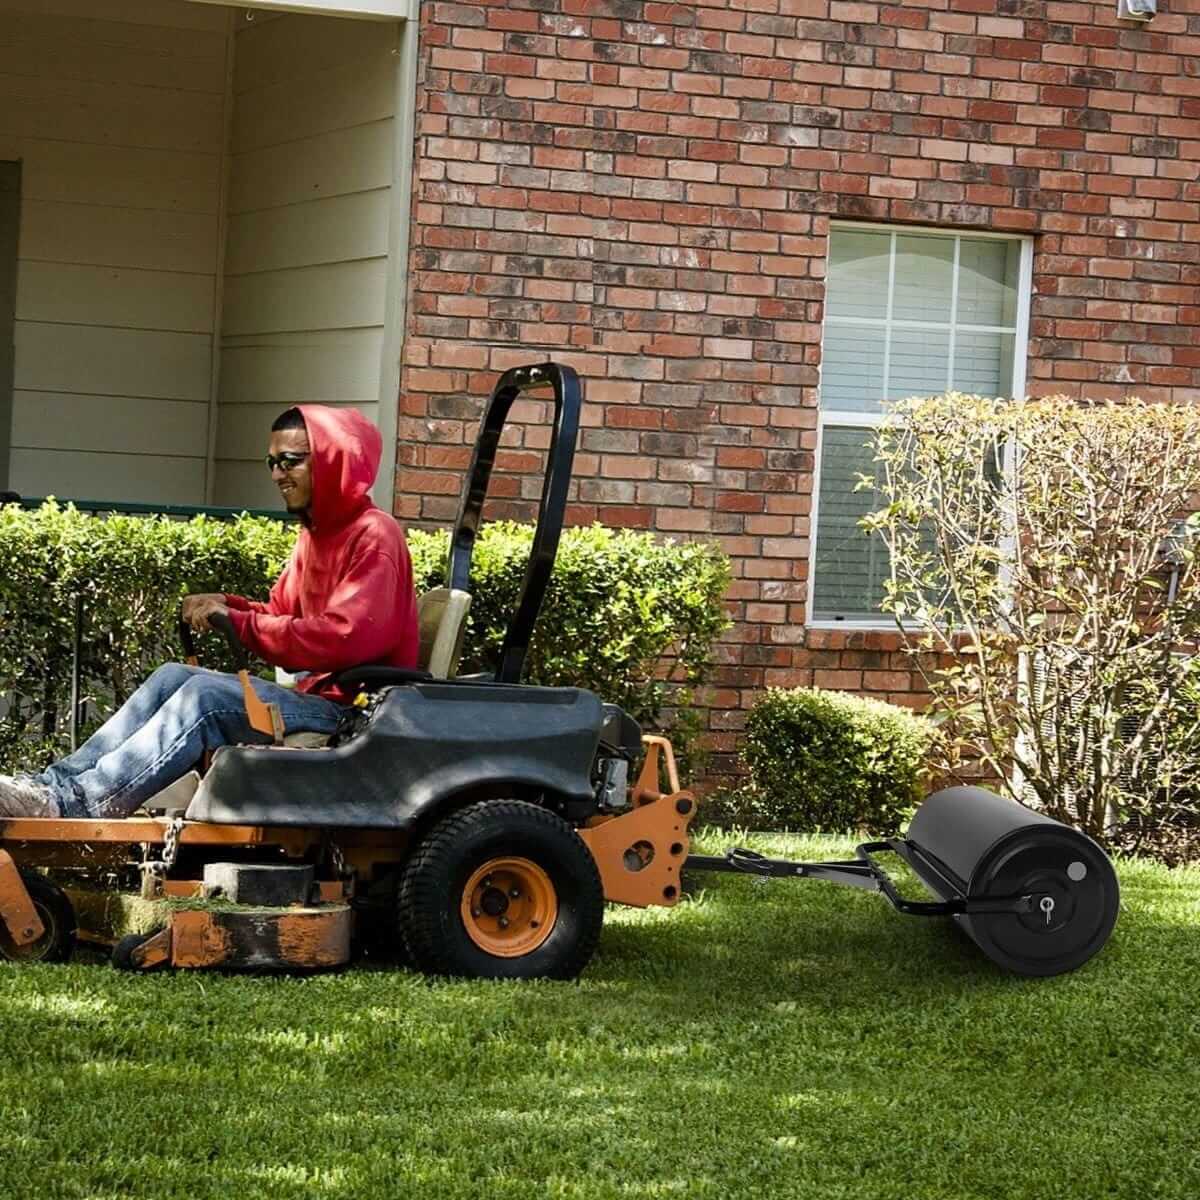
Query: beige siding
[[173, 14], [148, 478], [116, 111], [306, 262], [331, 164], [72, 294], [335, 366], [121, 425], [346, 295], [100, 361], [106, 235], [159, 182], [337, 229]]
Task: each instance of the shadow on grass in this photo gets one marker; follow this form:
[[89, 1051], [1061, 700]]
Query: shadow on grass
[[740, 933]]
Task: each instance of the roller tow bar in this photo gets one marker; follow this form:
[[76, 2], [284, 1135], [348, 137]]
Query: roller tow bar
[[1036, 896], [862, 872]]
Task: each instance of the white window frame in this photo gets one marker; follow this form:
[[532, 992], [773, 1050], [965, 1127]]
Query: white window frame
[[872, 420]]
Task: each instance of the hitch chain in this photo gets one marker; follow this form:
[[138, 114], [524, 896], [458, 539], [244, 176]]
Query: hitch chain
[[171, 843], [338, 861], [154, 870]]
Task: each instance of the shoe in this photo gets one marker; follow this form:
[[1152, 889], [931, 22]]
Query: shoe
[[24, 797]]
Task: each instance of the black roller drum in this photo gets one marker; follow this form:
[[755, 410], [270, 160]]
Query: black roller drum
[[967, 842]]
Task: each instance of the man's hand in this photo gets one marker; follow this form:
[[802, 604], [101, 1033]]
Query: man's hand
[[197, 609]]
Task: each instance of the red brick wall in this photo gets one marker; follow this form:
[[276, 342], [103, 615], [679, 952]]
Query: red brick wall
[[644, 190]]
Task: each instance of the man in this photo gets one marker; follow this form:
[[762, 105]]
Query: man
[[345, 598]]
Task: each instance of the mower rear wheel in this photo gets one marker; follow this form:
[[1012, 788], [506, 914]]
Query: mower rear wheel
[[58, 918], [502, 890]]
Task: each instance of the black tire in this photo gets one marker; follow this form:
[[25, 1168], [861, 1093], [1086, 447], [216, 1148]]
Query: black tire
[[58, 916], [435, 879], [122, 952]]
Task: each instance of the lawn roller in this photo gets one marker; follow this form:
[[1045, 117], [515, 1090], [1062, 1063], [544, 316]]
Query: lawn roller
[[475, 825]]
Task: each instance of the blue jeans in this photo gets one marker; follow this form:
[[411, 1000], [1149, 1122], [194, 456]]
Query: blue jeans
[[160, 733]]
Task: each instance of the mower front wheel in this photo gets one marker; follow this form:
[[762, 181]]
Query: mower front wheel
[[122, 952], [502, 890]]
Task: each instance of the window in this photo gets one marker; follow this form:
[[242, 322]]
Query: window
[[907, 313]]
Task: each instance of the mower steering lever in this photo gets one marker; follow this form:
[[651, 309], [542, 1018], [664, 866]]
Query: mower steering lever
[[188, 642], [266, 718], [223, 625]]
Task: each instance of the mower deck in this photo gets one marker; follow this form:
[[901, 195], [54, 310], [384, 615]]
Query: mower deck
[[293, 938]]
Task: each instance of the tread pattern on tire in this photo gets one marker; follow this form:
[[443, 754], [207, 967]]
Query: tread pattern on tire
[[424, 898]]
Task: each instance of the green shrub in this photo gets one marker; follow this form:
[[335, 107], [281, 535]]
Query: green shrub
[[1168, 828], [621, 608], [830, 761]]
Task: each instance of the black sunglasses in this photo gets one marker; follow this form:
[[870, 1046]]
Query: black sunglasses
[[289, 460]]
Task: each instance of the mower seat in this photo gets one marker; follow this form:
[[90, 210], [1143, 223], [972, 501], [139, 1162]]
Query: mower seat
[[442, 620]]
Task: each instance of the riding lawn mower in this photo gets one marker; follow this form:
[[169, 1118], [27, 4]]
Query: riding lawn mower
[[487, 819]]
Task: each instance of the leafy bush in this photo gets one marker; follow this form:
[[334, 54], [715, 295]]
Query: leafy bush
[[1049, 592], [830, 761], [1169, 827], [621, 608]]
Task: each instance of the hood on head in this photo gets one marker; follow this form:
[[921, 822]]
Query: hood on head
[[346, 449]]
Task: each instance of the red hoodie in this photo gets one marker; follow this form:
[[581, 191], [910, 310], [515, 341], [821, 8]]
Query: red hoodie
[[346, 595]]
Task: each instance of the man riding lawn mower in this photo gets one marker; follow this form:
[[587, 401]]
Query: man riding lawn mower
[[493, 818], [345, 597]]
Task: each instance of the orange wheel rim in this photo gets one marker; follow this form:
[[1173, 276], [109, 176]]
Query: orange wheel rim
[[509, 907]]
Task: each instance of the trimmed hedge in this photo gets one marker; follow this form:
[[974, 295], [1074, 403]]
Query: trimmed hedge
[[621, 609], [131, 572], [831, 762]]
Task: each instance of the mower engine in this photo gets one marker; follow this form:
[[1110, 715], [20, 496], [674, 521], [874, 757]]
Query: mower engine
[[620, 746]]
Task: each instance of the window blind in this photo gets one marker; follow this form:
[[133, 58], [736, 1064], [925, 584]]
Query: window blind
[[850, 566]]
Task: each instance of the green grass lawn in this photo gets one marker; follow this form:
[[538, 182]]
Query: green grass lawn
[[791, 1039]]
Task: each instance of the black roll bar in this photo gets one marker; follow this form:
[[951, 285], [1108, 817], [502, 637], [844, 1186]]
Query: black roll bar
[[568, 399]]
